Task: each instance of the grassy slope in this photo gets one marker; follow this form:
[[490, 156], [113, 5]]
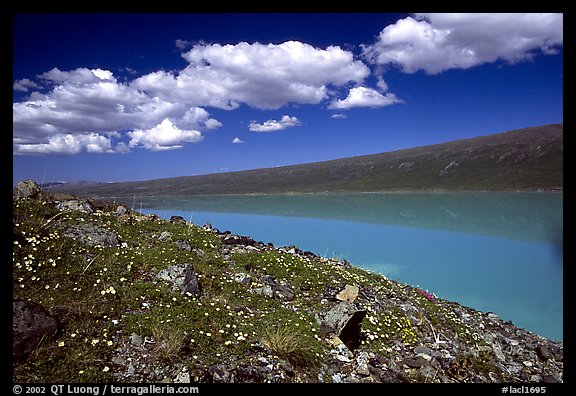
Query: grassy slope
[[101, 295], [530, 158]]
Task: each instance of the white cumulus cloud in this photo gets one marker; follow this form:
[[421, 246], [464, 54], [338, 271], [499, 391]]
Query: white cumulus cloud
[[164, 136], [264, 76], [91, 102], [69, 144], [438, 42], [364, 97], [274, 125], [237, 140], [24, 85]]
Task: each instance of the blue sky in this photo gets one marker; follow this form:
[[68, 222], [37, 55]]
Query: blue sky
[[119, 97]]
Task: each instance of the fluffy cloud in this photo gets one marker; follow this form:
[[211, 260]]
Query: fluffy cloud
[[264, 76], [274, 125], [92, 102], [164, 136], [237, 140], [69, 144], [24, 85], [438, 42], [85, 103], [364, 97]]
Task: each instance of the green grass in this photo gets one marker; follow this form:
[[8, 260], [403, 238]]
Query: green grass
[[101, 295]]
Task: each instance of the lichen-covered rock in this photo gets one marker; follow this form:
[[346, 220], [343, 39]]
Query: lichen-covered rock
[[27, 189], [121, 210], [92, 234], [76, 204], [344, 320], [30, 323], [182, 277]]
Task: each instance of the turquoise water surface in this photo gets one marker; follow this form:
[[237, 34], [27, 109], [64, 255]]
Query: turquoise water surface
[[495, 252]]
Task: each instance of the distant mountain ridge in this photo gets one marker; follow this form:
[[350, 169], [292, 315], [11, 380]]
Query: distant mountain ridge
[[522, 159]]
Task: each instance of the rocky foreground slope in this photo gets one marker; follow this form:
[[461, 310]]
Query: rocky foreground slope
[[103, 293]]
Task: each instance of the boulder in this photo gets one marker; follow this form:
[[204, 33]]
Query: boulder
[[415, 361], [92, 234], [30, 323], [165, 236], [121, 210], [76, 204], [544, 352], [265, 290], [344, 320], [27, 189], [273, 288], [177, 220], [349, 293], [182, 277]]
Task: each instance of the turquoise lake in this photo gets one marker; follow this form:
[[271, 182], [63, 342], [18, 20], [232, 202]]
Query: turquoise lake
[[495, 252]]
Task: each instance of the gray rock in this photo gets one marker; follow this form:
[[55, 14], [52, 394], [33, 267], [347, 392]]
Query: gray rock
[[76, 204], [182, 277], [424, 352], [183, 377], [135, 339], [30, 323], [340, 351], [415, 361], [219, 374], [26, 189], [362, 363], [120, 361], [513, 368], [265, 290], [274, 289], [390, 375], [182, 244], [121, 210], [165, 235], [345, 320], [498, 352], [283, 292], [243, 278], [428, 372], [251, 373], [92, 234]]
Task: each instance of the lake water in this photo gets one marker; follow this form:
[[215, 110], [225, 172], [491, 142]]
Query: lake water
[[495, 252]]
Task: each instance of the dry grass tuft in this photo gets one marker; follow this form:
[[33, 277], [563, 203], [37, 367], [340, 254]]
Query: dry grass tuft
[[168, 342], [290, 345]]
